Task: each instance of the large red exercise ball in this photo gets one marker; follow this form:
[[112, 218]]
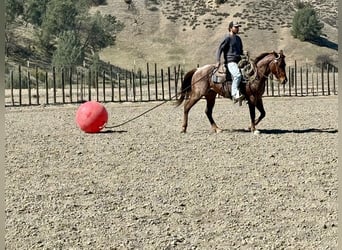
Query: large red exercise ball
[[91, 117]]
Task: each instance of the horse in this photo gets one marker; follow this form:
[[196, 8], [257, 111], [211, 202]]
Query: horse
[[198, 82]]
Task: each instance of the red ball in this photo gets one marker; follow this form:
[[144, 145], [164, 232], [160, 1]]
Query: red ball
[[91, 117]]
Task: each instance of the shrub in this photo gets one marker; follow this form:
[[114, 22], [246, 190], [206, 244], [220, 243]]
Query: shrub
[[305, 25]]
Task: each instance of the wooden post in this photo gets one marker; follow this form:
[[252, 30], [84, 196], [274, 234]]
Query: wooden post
[[301, 81], [119, 77], [156, 81], [46, 88], [104, 85], [295, 78], [111, 82], [37, 85], [63, 86], [322, 78], [12, 94], [54, 84], [140, 85], [334, 83], [97, 85], [133, 85], [70, 84], [307, 80], [162, 83], [20, 87], [290, 81], [328, 78], [126, 87], [148, 82], [89, 85], [169, 82], [29, 87]]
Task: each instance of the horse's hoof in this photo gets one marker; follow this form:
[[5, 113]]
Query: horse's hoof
[[218, 130], [256, 132]]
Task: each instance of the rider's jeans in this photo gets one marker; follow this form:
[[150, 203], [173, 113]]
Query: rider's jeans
[[236, 75]]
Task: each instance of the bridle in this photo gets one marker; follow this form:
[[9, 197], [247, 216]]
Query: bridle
[[275, 60]]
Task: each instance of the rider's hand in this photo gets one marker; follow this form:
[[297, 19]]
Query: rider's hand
[[217, 64]]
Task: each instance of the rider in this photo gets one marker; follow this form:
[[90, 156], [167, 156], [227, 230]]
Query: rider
[[232, 50]]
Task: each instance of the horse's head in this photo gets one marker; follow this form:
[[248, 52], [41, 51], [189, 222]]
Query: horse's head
[[278, 66]]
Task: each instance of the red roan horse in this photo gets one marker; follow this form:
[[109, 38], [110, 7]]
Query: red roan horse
[[198, 82]]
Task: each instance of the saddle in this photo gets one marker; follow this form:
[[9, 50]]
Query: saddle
[[222, 74]]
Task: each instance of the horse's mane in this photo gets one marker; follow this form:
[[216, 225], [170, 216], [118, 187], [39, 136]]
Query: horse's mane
[[261, 56]]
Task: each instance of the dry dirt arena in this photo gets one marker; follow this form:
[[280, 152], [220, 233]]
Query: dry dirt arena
[[145, 185]]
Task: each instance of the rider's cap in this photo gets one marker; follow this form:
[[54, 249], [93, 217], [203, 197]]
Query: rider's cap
[[234, 24]]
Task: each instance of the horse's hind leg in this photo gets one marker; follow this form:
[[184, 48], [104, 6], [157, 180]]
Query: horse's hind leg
[[187, 106], [211, 97]]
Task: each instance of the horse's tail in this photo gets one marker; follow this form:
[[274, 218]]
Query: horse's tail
[[186, 86]]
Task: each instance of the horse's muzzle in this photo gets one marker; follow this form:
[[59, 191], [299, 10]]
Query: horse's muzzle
[[283, 80]]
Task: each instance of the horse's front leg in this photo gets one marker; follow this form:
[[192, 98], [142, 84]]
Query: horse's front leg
[[252, 116], [260, 107], [211, 97]]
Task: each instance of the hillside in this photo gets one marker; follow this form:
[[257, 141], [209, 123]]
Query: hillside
[[187, 32]]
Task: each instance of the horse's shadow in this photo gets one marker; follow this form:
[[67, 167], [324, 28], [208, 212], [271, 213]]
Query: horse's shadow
[[290, 131]]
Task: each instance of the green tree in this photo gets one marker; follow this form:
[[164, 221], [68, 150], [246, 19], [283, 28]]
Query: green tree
[[69, 51], [34, 11], [306, 25], [60, 16], [100, 31], [14, 8]]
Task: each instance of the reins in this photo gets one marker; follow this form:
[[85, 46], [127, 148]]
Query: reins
[[160, 104]]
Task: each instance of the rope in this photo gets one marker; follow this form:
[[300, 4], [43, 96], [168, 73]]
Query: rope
[[156, 106]]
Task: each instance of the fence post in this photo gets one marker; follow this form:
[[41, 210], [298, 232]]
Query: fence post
[[140, 85], [290, 81], [20, 86], [54, 84], [162, 83], [169, 81], [119, 77], [295, 78], [12, 94], [156, 81], [312, 81], [111, 82], [133, 85], [97, 84], [29, 86], [37, 85], [328, 78], [322, 78], [334, 84], [301, 81], [126, 87], [70, 84], [104, 85], [63, 84], [46, 88], [148, 82], [307, 79], [89, 85]]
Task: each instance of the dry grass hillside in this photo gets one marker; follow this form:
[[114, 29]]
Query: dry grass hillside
[[188, 32]]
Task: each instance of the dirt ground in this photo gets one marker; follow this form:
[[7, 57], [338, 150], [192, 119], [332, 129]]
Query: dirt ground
[[145, 185]]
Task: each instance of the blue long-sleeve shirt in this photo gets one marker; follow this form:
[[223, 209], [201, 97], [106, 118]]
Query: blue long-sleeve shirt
[[232, 49]]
